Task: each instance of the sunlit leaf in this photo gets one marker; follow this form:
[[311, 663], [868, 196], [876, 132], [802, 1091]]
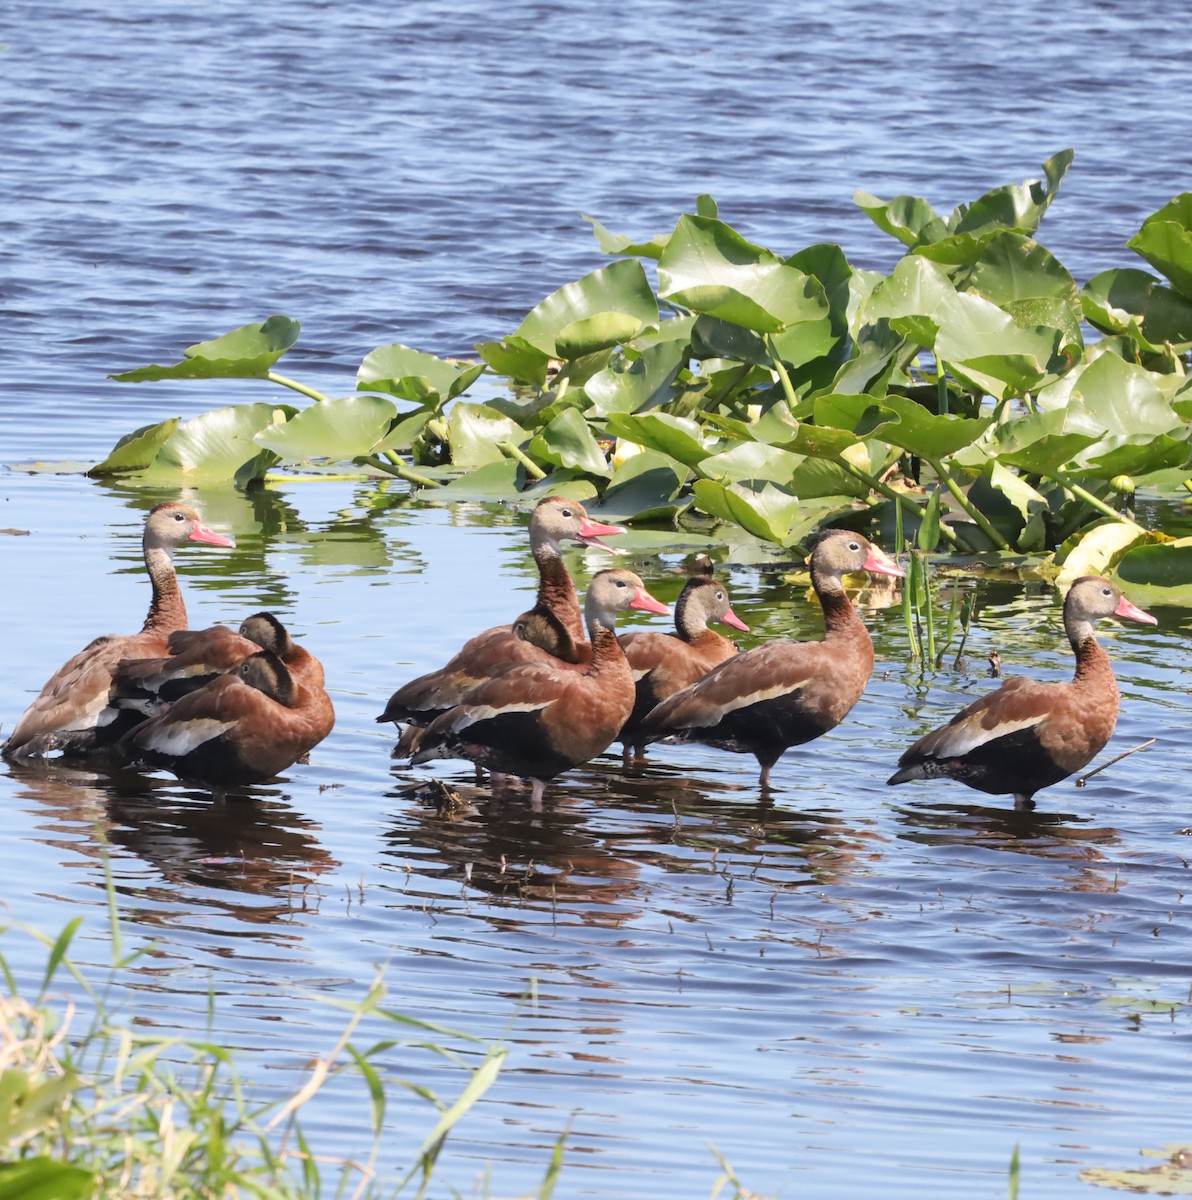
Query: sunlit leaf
[[338, 430], [219, 445], [710, 268], [1098, 550], [414, 375], [677, 437], [751, 460], [568, 442], [1165, 241], [495, 480], [645, 487], [630, 384], [767, 512], [619, 243], [1136, 304], [244, 353], [901, 422], [136, 450], [474, 431], [1018, 207], [516, 359], [908, 218], [44, 1179], [621, 288], [592, 334], [1110, 395]]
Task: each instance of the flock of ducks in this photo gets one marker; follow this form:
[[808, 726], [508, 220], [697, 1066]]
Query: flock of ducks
[[557, 686]]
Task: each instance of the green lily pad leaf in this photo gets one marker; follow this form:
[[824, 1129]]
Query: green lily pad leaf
[[568, 442], [1110, 395], [819, 441], [516, 359], [244, 353], [801, 344], [647, 544], [1029, 531], [815, 478], [710, 268], [712, 337], [1037, 443], [338, 430], [497, 480], [1136, 304], [414, 375], [620, 289], [1136, 455], [1165, 241], [900, 422], [1018, 207], [566, 481], [136, 450], [644, 487], [908, 218], [632, 383], [474, 431], [751, 460], [826, 262], [593, 334], [219, 446], [618, 243], [405, 432], [1098, 550], [768, 512], [44, 1179], [1157, 573], [677, 437], [1166, 1180]]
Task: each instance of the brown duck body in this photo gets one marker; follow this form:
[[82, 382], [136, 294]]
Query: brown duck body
[[1027, 735], [665, 663], [196, 656], [244, 727], [73, 715], [537, 720], [785, 693], [551, 631]]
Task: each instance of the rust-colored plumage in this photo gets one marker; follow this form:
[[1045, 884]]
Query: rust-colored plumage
[[552, 630], [1027, 735], [784, 693], [197, 656], [244, 727], [537, 720], [664, 663], [73, 714]]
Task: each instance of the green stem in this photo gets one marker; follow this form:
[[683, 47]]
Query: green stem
[[979, 518], [1093, 501], [391, 464], [899, 498], [779, 366], [509, 450], [286, 381]]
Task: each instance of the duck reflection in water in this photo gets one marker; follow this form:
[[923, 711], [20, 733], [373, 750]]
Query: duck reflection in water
[[595, 852], [206, 852]]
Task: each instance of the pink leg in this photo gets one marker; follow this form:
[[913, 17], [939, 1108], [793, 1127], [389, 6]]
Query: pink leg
[[765, 777], [537, 788]]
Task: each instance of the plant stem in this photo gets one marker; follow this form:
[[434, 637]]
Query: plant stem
[[779, 366], [286, 381], [391, 464], [1093, 501], [509, 450], [980, 519], [884, 489]]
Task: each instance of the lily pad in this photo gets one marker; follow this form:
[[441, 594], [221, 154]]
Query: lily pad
[[678, 437], [1098, 550], [632, 383], [645, 487], [767, 512], [337, 430], [492, 481], [619, 243], [136, 450], [244, 353], [1158, 574], [901, 422], [1165, 241], [219, 446], [568, 442], [1136, 304], [474, 431], [414, 375]]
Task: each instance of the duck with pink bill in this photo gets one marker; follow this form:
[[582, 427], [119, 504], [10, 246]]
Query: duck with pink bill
[[664, 663], [538, 719], [784, 693], [551, 631], [1026, 735], [73, 714]]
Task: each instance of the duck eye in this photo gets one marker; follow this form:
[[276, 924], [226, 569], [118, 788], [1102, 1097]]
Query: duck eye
[[179, 517], [567, 512], [719, 595], [854, 545]]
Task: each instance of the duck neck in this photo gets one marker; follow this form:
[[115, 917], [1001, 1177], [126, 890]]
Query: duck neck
[[167, 610], [1093, 669], [840, 617], [689, 619], [556, 592], [607, 654]]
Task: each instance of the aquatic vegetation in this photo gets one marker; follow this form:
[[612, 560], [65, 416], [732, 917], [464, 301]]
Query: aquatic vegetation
[[780, 392]]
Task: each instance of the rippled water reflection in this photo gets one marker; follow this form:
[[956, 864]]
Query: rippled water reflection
[[848, 990]]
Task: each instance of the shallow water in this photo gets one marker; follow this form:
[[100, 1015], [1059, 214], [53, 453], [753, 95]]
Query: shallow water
[[846, 990]]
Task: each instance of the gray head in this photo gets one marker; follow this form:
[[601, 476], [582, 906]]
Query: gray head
[[267, 673]]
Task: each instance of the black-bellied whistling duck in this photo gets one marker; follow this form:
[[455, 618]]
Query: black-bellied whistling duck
[[552, 629], [784, 693], [537, 720], [72, 715], [197, 656], [664, 663], [1028, 735], [240, 728]]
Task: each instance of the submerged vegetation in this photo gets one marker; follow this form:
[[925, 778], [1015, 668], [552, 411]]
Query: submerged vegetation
[[780, 392]]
